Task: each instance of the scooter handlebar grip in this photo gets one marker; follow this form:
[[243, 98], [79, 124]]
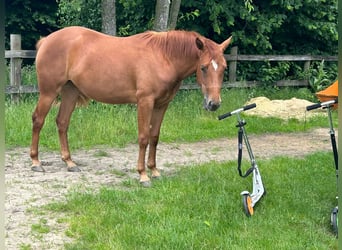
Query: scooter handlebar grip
[[221, 117], [247, 107], [322, 104], [250, 106], [313, 106]]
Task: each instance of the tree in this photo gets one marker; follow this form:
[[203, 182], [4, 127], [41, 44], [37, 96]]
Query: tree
[[174, 10], [108, 17], [166, 14], [161, 15]]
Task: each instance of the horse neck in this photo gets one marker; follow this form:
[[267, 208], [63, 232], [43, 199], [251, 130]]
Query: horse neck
[[185, 63], [186, 54], [185, 66], [178, 47]]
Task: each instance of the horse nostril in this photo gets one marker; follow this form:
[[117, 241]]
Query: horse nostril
[[212, 106]]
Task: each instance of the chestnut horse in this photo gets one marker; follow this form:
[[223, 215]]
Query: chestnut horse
[[147, 69]]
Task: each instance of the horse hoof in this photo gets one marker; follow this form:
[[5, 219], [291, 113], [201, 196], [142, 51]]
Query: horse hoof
[[157, 177], [37, 169], [146, 184], [74, 169]]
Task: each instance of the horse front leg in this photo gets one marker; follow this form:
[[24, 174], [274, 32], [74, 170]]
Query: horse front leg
[[144, 179], [151, 163], [156, 121], [144, 119]]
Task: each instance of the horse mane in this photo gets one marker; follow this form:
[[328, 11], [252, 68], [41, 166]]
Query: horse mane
[[175, 43]]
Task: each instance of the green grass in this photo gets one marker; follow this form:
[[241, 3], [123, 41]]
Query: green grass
[[40, 228], [185, 120], [200, 208]]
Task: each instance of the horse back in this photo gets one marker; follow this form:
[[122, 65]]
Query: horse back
[[99, 65]]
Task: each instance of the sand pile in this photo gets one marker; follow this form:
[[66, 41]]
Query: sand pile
[[284, 109]]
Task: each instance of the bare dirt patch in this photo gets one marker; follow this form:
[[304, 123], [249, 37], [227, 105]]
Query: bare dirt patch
[[26, 191], [285, 109]]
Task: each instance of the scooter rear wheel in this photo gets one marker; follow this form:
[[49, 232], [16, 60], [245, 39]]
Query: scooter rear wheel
[[334, 220], [247, 204]]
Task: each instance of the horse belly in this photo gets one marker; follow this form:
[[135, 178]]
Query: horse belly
[[103, 80], [116, 97], [112, 92]]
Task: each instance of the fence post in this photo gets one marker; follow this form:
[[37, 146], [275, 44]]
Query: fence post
[[232, 64], [307, 65], [306, 69], [15, 41]]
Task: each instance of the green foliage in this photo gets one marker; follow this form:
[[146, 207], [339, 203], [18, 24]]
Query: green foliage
[[30, 19], [264, 27], [268, 27], [135, 16], [68, 12], [80, 13], [269, 72], [29, 76], [190, 16], [320, 76]]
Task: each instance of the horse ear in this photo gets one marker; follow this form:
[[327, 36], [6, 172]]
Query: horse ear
[[199, 44], [225, 44]]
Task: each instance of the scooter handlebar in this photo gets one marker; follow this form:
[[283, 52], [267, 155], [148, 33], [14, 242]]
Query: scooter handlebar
[[322, 104], [247, 107]]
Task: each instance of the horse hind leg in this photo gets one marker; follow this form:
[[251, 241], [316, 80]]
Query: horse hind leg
[[69, 96], [38, 118]]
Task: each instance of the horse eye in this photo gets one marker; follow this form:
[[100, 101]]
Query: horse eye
[[204, 68]]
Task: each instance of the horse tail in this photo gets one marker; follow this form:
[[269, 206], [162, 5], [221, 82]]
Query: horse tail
[[82, 100], [39, 43]]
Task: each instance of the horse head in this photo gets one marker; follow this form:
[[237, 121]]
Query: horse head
[[210, 70]]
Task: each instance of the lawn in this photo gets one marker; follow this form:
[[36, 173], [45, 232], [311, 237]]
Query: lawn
[[200, 207]]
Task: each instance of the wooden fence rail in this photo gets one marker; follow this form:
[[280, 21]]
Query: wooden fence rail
[[16, 56]]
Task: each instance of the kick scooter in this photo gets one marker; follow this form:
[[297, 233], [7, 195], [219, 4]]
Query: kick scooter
[[328, 106], [248, 200]]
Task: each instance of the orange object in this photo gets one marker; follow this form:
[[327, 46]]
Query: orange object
[[330, 93]]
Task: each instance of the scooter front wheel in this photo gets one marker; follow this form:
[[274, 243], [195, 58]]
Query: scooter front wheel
[[247, 204]]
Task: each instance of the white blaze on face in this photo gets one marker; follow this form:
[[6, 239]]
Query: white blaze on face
[[214, 64]]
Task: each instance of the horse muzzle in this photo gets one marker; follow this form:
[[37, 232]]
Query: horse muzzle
[[210, 105]]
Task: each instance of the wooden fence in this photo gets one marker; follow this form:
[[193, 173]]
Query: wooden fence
[[16, 56]]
